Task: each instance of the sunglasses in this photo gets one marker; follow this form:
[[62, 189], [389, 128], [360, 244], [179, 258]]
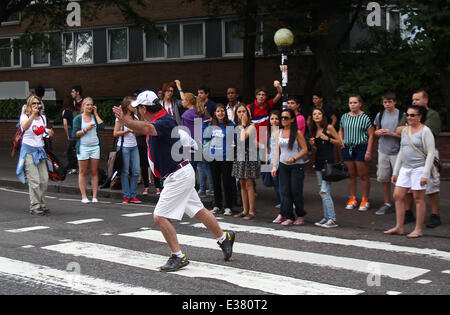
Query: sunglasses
[[35, 103], [411, 115], [285, 118]]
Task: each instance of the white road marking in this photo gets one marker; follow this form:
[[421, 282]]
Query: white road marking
[[332, 240], [446, 271], [393, 293], [42, 275], [358, 265], [27, 246], [244, 278], [28, 229], [14, 191], [424, 281], [85, 221], [138, 214]]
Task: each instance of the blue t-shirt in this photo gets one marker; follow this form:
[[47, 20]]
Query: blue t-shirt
[[220, 140], [160, 147]]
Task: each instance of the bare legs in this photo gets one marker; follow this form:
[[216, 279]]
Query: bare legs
[[82, 175], [400, 194], [170, 235]]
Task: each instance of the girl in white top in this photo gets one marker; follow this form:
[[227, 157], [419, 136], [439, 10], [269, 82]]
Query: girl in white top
[[130, 154], [32, 155], [412, 169]]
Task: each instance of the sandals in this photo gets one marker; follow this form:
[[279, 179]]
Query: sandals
[[240, 215], [249, 217], [298, 222]]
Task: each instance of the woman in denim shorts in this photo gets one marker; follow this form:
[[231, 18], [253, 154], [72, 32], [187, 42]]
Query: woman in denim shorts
[[357, 133]]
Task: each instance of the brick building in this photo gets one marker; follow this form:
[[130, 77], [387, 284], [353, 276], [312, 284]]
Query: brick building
[[110, 59]]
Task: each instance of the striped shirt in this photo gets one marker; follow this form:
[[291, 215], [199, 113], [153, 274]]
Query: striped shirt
[[356, 129]]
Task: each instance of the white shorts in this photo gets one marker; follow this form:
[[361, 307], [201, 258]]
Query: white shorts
[[410, 178], [179, 195]]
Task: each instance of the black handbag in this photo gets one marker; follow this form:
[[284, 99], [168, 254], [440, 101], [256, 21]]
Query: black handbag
[[335, 172]]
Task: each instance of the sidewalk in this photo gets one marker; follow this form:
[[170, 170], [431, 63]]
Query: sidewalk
[[265, 201]]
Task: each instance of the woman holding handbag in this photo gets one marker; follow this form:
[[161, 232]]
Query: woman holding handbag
[[413, 169], [323, 139], [85, 129], [33, 158], [130, 153], [291, 151]]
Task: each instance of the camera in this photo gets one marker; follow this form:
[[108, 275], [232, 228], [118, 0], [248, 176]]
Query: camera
[[40, 106]]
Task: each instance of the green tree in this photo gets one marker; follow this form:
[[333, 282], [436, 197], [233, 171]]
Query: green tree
[[41, 16]]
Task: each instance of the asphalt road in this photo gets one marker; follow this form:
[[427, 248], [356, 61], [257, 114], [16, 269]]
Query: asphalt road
[[119, 248]]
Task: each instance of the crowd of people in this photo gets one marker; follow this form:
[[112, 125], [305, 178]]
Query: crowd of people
[[236, 143]]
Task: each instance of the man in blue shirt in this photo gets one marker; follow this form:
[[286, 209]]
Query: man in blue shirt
[[179, 195]]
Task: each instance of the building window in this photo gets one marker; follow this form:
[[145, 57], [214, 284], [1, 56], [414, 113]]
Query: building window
[[40, 57], [184, 40], [9, 56], [118, 45], [232, 42], [78, 48], [13, 19]]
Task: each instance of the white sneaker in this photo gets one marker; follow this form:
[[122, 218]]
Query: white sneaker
[[227, 212], [278, 206], [94, 200], [215, 210], [85, 200], [330, 224], [321, 222]]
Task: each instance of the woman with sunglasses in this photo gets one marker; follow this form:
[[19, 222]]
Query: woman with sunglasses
[[413, 169], [33, 158], [290, 150]]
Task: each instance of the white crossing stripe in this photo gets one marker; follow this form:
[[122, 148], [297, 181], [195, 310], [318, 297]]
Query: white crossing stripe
[[85, 221], [43, 275], [446, 271], [358, 265], [332, 240], [243, 278], [138, 214], [28, 229]]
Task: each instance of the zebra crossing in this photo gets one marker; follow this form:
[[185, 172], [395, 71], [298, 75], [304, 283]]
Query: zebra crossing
[[267, 259], [264, 281]]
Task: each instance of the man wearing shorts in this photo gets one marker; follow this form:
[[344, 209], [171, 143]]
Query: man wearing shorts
[[179, 195], [388, 146], [433, 121]]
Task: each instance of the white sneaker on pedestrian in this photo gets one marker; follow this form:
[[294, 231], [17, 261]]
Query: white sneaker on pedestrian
[[330, 224], [321, 222], [94, 200], [85, 200], [215, 210], [227, 212]]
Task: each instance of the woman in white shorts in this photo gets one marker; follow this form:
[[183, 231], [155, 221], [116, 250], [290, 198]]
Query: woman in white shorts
[[85, 130], [413, 169]]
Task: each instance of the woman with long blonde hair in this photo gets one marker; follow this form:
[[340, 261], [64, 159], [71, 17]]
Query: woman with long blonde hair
[[32, 158], [85, 129]]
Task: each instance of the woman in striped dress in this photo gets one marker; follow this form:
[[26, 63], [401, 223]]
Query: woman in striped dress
[[357, 133]]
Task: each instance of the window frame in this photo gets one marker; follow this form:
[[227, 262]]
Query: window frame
[[13, 22], [259, 51], [108, 45], [181, 25], [74, 63], [12, 66], [47, 64]]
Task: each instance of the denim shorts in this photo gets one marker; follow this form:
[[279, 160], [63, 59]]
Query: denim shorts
[[354, 153], [87, 153]]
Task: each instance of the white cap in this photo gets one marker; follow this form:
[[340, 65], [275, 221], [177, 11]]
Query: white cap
[[146, 98]]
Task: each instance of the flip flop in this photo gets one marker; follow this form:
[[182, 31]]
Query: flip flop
[[249, 217], [240, 215], [288, 222], [298, 222]]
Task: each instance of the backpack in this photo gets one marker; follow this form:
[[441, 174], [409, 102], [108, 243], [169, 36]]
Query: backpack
[[400, 115], [56, 170]]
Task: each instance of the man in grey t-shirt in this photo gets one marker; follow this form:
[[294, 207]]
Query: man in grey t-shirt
[[386, 123]]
